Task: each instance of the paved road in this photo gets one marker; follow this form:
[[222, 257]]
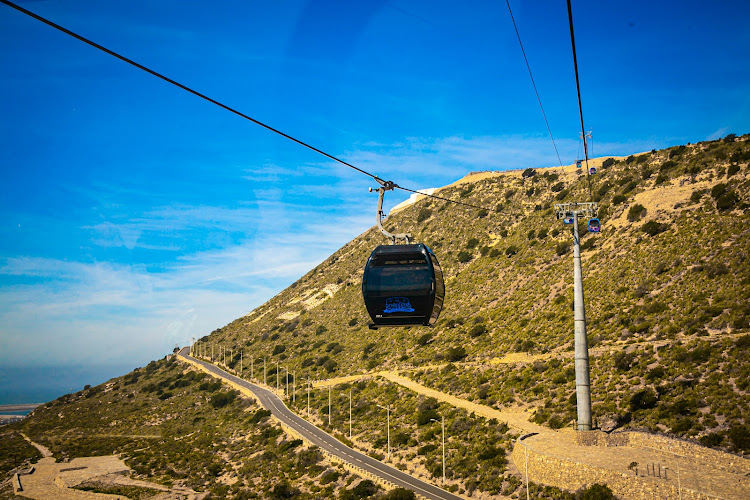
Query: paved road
[[327, 442]]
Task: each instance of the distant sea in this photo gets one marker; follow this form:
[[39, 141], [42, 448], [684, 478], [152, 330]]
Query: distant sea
[[41, 384]]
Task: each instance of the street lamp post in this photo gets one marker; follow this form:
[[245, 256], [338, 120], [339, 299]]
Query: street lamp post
[[264, 371], [294, 386], [350, 413], [286, 379], [308, 396], [443, 436], [329, 406], [277, 375], [387, 409]]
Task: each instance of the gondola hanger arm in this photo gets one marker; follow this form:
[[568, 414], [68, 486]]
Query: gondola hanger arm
[[387, 186]]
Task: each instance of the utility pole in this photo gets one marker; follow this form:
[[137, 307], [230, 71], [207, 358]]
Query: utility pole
[[294, 386], [264, 371], [286, 392], [329, 406], [252, 371], [350, 413], [277, 375], [570, 213], [308, 396], [240, 362]]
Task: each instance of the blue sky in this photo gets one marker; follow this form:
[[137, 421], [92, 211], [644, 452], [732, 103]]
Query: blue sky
[[135, 215]]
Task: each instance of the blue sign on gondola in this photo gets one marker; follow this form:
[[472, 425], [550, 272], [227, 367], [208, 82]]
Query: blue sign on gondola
[[397, 304]]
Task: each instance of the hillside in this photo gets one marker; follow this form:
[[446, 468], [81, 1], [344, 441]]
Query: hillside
[[666, 282]]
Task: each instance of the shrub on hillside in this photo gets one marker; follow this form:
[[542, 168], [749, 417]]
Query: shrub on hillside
[[477, 330], [727, 201], [652, 228], [463, 256], [529, 172], [608, 162], [636, 212], [667, 165], [455, 354], [596, 492], [222, 399], [424, 214], [739, 435], [643, 400], [563, 247]]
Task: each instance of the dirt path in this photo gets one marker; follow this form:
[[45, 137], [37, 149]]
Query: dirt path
[[42, 449]]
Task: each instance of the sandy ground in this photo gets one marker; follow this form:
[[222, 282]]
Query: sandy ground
[[52, 480]]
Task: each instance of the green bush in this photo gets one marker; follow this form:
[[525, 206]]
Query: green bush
[[399, 494], [636, 212], [652, 228], [477, 330], [455, 354], [739, 435], [424, 214], [643, 400], [563, 247], [222, 399], [618, 199], [727, 201], [463, 256], [596, 492], [608, 162]]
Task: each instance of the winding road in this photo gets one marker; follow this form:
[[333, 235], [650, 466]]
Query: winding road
[[323, 440]]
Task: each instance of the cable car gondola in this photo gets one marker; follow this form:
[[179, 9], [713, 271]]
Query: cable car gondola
[[595, 226], [578, 163], [402, 285], [592, 171]]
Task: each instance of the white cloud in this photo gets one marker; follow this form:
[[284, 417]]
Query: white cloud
[[80, 312]]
